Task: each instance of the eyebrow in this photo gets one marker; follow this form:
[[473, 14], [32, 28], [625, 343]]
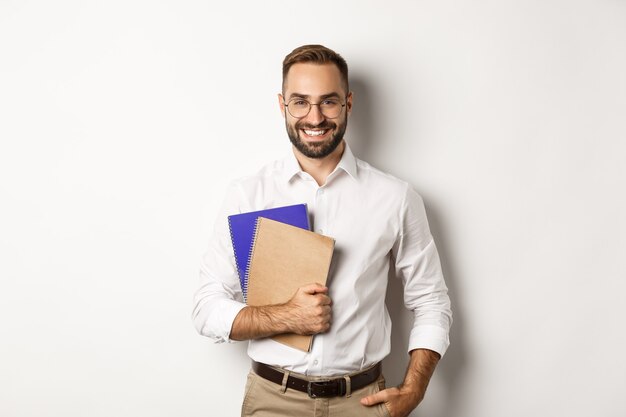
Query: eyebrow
[[322, 97]]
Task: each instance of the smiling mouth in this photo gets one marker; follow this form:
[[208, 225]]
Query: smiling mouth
[[316, 132]]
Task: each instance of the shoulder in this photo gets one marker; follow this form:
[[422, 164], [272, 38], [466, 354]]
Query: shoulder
[[254, 189], [266, 173], [385, 183]]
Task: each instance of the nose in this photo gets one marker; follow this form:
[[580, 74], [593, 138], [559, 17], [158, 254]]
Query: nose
[[315, 115]]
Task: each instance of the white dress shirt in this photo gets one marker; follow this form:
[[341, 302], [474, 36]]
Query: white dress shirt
[[375, 219]]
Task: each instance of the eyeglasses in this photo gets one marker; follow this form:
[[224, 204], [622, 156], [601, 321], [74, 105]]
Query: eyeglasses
[[298, 107]]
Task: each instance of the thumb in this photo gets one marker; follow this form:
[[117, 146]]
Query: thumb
[[374, 399]]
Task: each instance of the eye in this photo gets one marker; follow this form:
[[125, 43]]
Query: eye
[[329, 103], [299, 103]]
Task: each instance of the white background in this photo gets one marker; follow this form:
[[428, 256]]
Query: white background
[[122, 122]]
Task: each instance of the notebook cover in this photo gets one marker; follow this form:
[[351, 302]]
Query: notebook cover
[[284, 258], [242, 232]]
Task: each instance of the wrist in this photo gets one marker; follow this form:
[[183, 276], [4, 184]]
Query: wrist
[[410, 397], [281, 318], [414, 392]]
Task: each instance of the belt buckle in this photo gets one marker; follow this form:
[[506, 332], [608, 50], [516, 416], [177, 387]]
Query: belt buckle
[[320, 384]]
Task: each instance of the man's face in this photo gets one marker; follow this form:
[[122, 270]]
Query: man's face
[[315, 135]]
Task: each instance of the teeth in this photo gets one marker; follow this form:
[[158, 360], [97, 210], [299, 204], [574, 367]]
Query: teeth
[[314, 132]]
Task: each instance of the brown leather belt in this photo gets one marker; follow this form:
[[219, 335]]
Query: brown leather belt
[[323, 389]]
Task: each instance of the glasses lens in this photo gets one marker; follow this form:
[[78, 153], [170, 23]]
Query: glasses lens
[[330, 108], [298, 107]]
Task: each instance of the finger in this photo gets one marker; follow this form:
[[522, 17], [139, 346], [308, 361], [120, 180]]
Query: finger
[[373, 399], [323, 300], [314, 288], [321, 289]]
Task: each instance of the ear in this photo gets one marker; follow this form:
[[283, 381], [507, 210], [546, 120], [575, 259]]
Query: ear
[[281, 104], [349, 102]]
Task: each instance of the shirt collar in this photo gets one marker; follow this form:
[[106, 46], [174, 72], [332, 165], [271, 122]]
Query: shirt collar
[[291, 167], [347, 163]]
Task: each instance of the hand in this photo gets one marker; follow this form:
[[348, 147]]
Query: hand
[[309, 310], [400, 401]]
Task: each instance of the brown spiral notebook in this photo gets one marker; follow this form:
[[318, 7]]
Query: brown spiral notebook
[[283, 259]]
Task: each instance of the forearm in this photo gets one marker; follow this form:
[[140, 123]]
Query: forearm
[[259, 322], [308, 312], [421, 368]]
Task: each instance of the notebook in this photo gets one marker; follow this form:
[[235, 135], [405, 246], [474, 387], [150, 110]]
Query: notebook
[[242, 232], [283, 259]]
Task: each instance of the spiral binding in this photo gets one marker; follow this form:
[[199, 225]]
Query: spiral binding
[[242, 277], [257, 223]]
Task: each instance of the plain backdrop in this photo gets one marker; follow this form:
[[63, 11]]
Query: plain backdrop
[[122, 122]]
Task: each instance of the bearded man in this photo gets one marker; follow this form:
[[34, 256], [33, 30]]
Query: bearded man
[[376, 220]]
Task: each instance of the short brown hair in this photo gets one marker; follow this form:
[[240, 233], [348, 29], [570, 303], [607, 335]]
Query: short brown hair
[[317, 54]]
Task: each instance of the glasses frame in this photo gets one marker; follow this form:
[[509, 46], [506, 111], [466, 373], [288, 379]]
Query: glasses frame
[[311, 106]]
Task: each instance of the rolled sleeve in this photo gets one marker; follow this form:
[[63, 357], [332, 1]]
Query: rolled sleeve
[[425, 293], [429, 337]]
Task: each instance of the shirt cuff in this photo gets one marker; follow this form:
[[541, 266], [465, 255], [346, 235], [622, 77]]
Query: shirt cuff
[[227, 312], [429, 337]]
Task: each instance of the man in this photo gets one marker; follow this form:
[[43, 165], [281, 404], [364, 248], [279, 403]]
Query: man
[[375, 219]]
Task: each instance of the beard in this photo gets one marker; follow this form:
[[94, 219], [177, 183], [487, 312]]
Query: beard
[[317, 150]]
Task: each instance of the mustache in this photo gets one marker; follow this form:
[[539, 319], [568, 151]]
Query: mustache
[[324, 125]]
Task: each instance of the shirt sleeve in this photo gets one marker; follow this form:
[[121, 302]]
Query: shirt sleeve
[[219, 299], [417, 264]]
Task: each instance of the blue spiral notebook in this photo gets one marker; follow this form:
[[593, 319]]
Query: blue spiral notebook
[[242, 228]]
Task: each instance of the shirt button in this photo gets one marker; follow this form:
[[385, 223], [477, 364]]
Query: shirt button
[[315, 362], [321, 231], [320, 191]]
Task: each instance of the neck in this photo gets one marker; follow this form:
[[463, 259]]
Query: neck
[[320, 168]]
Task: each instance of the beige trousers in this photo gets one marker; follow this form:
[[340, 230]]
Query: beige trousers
[[267, 399]]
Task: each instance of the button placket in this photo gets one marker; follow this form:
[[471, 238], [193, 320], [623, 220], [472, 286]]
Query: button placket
[[320, 204]]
